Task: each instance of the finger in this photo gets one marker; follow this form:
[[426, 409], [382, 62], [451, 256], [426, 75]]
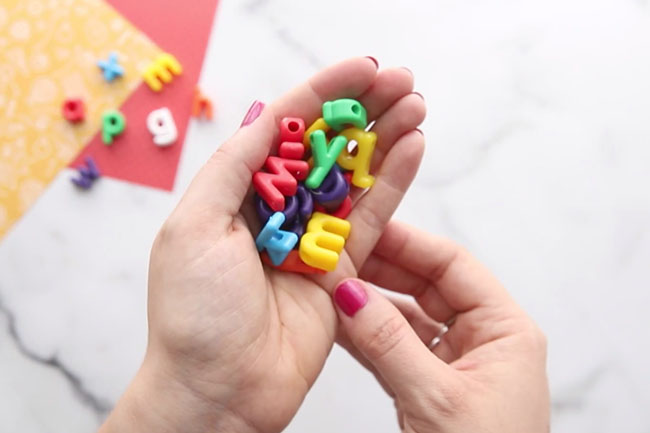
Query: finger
[[347, 79], [383, 336], [372, 211], [386, 274], [389, 86], [426, 328], [462, 282], [404, 115]]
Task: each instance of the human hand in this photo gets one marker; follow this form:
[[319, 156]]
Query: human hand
[[235, 345], [486, 374]]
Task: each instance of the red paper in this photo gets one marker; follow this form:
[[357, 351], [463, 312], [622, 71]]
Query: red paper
[[181, 29]]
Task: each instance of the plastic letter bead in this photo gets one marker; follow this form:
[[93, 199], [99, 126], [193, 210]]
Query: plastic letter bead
[[341, 212], [280, 180], [343, 112], [324, 156], [291, 150], [73, 110], [160, 71], [292, 264], [360, 162], [265, 212], [87, 174], [319, 124], [201, 105], [292, 129], [334, 189], [110, 68], [325, 238], [161, 124], [113, 124], [278, 243]]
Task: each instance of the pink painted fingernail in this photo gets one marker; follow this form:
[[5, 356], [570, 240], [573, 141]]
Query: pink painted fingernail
[[350, 296], [253, 113], [374, 60]]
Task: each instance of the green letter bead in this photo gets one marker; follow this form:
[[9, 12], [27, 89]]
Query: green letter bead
[[324, 156], [113, 123], [342, 112]]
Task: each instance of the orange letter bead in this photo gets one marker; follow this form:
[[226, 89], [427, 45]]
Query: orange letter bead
[[292, 264], [359, 163], [325, 238]]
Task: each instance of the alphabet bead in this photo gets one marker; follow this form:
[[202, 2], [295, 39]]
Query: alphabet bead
[[291, 150], [292, 264], [73, 110], [161, 124], [111, 69], [113, 124], [292, 129], [201, 105], [160, 71], [319, 124], [343, 112], [325, 238], [280, 180], [324, 156], [331, 193], [359, 163], [278, 243], [341, 212], [265, 212]]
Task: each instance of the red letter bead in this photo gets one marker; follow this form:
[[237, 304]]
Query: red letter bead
[[291, 150], [292, 129], [280, 180], [73, 110], [292, 263]]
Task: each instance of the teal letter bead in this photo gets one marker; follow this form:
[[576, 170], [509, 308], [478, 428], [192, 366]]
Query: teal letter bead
[[324, 156], [337, 114]]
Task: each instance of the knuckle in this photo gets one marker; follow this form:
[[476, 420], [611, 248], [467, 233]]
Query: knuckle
[[386, 337]]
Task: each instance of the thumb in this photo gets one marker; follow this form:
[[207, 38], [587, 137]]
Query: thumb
[[385, 338], [224, 180]]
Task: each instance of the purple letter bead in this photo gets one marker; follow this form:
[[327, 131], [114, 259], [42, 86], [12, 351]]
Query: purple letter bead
[[333, 190], [305, 202], [265, 212], [297, 226]]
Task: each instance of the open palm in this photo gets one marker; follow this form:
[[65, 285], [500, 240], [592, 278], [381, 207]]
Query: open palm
[[243, 338]]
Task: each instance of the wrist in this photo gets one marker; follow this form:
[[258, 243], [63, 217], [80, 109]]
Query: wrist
[[154, 401]]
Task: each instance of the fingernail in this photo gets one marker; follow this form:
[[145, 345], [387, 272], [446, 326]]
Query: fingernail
[[408, 69], [419, 94], [374, 61], [350, 297], [420, 131], [253, 113]]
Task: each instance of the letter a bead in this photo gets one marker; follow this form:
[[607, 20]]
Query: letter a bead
[[325, 238], [343, 112]]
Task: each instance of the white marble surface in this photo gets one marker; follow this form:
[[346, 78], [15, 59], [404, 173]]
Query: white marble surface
[[538, 161]]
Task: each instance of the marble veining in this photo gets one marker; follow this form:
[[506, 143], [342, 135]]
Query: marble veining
[[537, 159]]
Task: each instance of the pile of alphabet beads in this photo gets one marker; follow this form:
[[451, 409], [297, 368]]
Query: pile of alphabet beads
[[303, 196]]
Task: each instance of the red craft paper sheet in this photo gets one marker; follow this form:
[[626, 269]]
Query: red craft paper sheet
[[181, 29]]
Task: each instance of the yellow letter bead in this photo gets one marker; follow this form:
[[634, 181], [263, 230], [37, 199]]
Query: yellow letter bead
[[318, 124], [160, 71], [325, 238], [360, 162]]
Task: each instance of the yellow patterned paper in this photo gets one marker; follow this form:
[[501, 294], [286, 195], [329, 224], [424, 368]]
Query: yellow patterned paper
[[48, 52]]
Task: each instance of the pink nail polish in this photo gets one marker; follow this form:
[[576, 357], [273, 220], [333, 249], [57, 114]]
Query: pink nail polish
[[350, 296], [374, 60], [253, 113]]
